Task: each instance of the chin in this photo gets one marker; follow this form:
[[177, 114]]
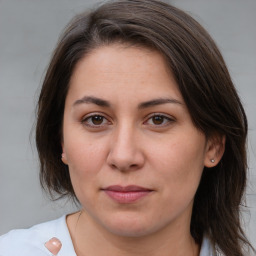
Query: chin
[[129, 231], [130, 227]]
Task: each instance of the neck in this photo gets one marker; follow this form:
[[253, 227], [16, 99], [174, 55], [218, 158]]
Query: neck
[[89, 238]]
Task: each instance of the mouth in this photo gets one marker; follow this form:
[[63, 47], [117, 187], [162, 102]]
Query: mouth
[[127, 194]]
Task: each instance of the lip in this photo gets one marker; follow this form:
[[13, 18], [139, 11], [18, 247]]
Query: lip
[[127, 194]]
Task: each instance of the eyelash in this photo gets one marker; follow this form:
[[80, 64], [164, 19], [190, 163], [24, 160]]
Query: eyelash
[[85, 121], [167, 120]]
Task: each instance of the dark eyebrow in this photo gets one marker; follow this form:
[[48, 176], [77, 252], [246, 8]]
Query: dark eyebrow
[[92, 99], [104, 103], [156, 102]]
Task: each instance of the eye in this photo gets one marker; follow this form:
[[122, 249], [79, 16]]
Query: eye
[[159, 120], [95, 121]]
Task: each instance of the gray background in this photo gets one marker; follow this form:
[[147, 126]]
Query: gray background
[[29, 30]]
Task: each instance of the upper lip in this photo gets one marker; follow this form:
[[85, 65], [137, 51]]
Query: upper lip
[[129, 188]]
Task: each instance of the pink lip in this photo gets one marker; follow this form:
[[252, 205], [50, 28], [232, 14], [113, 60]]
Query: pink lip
[[127, 194]]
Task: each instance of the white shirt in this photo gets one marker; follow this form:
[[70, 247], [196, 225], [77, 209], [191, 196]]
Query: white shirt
[[30, 242]]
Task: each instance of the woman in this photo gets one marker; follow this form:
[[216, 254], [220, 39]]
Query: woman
[[138, 120]]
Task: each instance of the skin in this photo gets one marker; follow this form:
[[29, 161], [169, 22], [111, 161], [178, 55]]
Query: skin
[[123, 144]]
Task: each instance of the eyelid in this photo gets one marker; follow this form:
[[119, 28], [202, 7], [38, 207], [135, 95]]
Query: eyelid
[[90, 115], [166, 116], [168, 120]]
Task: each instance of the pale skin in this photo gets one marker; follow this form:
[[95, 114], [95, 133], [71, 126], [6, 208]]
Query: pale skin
[[126, 123]]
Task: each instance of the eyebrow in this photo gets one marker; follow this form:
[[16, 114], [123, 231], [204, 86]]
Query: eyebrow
[[94, 100], [104, 103], [159, 101]]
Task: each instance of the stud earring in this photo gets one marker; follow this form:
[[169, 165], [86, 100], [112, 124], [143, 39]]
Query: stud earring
[[62, 155], [212, 160]]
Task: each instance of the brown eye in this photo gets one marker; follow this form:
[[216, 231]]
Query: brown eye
[[97, 120], [158, 120]]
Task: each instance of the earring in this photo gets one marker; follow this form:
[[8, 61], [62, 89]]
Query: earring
[[63, 158], [212, 160]]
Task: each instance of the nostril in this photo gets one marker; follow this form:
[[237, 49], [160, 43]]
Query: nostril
[[126, 157], [124, 168], [113, 166]]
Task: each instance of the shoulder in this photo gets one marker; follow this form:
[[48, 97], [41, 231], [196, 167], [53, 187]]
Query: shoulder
[[31, 241], [207, 248]]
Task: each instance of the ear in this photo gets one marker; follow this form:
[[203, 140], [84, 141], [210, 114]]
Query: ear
[[215, 148], [63, 155]]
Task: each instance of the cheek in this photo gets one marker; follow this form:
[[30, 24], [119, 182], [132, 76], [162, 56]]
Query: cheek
[[84, 167], [83, 151], [85, 160], [179, 167], [180, 160]]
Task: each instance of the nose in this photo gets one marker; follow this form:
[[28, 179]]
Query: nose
[[125, 154]]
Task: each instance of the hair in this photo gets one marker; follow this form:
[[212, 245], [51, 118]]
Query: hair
[[204, 82]]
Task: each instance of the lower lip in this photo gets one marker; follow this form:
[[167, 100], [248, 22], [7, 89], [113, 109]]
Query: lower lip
[[126, 197]]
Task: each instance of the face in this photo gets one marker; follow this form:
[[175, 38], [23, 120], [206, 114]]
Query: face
[[135, 158]]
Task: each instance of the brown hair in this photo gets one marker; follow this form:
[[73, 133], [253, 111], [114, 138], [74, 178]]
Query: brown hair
[[206, 87]]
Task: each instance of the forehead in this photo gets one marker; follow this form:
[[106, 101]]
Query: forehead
[[119, 69]]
